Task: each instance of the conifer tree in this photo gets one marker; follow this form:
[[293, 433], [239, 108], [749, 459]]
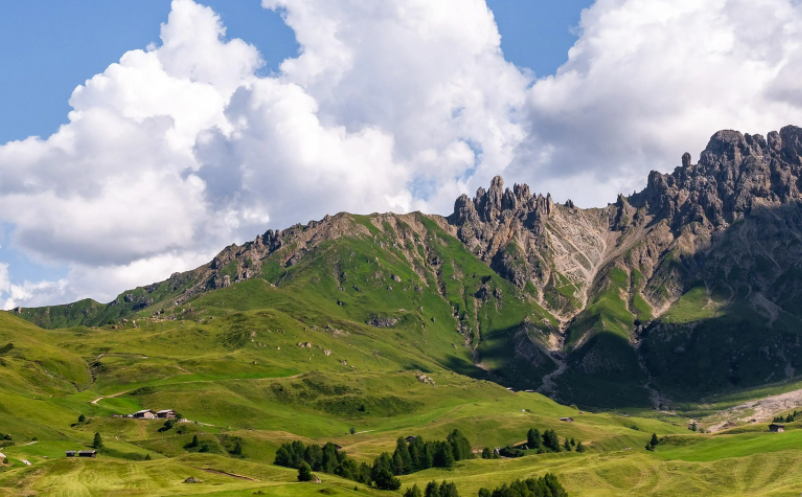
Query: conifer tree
[[413, 492], [534, 440]]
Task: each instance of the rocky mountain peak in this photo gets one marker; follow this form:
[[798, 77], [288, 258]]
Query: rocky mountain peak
[[735, 172]]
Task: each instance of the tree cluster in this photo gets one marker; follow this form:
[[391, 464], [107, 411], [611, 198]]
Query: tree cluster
[[787, 419], [548, 441], [418, 454], [444, 489], [407, 458], [325, 458], [545, 486]]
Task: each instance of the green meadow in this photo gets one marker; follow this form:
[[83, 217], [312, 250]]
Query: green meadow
[[296, 354]]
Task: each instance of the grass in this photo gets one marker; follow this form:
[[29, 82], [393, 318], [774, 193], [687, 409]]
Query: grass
[[231, 362]]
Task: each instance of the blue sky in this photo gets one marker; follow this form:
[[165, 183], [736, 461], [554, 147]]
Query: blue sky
[[53, 46], [177, 142]]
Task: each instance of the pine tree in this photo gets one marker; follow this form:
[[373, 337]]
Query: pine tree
[[550, 441], [573, 443], [460, 446], [81, 418], [413, 492], [304, 472], [448, 490], [654, 441], [580, 447], [237, 450], [432, 490], [404, 465], [328, 458], [97, 443], [313, 455], [567, 445], [534, 440]]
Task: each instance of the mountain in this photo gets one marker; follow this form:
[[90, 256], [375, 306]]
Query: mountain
[[689, 287]]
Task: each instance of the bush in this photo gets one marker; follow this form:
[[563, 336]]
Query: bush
[[488, 453], [304, 472], [511, 452], [168, 425], [193, 443]]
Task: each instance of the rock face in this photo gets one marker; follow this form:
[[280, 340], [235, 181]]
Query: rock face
[[693, 283], [382, 322], [527, 239], [668, 265]]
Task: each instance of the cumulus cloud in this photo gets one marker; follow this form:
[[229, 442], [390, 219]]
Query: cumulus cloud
[[649, 80], [180, 149], [41, 293]]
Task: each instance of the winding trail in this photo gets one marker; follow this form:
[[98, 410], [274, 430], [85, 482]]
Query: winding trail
[[94, 402], [232, 475]]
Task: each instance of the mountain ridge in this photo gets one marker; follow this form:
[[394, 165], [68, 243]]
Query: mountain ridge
[[623, 295]]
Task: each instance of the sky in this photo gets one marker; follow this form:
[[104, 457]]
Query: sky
[[139, 137]]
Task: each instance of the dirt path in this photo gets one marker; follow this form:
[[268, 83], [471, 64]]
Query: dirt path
[[761, 410], [94, 402], [232, 475]]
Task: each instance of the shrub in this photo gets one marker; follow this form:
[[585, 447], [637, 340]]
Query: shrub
[[512, 452], [304, 472]]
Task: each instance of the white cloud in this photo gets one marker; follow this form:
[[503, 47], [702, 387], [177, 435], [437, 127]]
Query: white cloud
[[41, 293], [180, 149], [650, 79]]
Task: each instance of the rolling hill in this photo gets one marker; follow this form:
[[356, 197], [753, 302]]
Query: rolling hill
[[642, 317]]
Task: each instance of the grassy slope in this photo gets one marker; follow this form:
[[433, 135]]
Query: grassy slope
[[207, 372], [230, 360]]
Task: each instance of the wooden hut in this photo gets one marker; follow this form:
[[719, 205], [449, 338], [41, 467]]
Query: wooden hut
[[775, 428], [145, 414]]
